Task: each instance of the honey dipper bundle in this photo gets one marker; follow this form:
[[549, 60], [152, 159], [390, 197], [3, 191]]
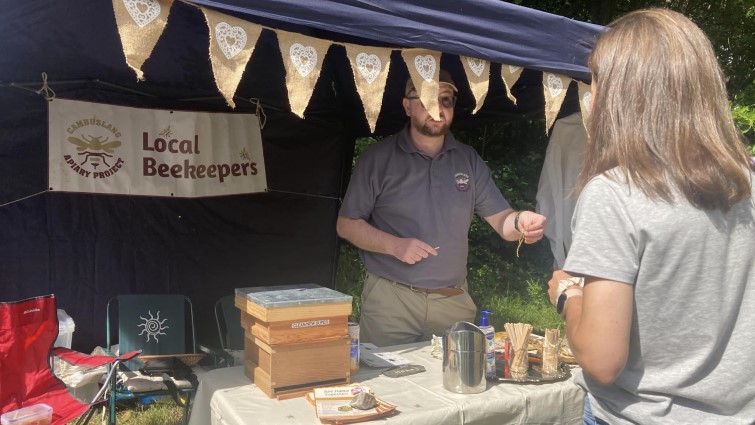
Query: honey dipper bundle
[[519, 334], [551, 347]]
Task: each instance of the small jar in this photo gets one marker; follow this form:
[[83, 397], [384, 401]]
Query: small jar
[[354, 357]]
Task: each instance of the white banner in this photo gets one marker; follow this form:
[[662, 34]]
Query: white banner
[[100, 148]]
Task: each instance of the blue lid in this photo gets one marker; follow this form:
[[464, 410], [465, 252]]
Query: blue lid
[[484, 317]]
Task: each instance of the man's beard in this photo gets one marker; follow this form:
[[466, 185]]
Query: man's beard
[[431, 128]]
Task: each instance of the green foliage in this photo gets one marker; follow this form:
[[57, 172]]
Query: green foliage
[[531, 307], [361, 144], [744, 117], [743, 111], [730, 25], [350, 276]]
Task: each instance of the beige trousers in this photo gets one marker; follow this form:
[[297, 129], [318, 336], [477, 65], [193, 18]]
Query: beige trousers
[[392, 314]]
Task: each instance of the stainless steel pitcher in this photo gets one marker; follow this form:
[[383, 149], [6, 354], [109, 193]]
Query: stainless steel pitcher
[[464, 359]]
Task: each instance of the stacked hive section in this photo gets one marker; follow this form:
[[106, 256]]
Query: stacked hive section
[[296, 337]]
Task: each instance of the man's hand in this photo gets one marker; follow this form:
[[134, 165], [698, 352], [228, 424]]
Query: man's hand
[[411, 251], [532, 225], [368, 238]]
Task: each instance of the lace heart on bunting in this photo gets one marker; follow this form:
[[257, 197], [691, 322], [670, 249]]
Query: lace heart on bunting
[[476, 65], [587, 102], [369, 66], [555, 85], [425, 66], [303, 58], [231, 40], [142, 11]]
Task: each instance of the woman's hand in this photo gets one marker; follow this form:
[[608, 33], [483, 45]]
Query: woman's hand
[[558, 276]]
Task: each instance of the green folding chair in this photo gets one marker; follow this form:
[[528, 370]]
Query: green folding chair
[[162, 327]]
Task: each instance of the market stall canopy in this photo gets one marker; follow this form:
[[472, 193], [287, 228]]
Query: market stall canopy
[[486, 29], [87, 248], [477, 30]]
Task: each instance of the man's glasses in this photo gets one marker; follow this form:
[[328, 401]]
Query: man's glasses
[[444, 101]]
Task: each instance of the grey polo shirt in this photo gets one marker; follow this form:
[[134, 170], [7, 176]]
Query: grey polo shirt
[[405, 193]]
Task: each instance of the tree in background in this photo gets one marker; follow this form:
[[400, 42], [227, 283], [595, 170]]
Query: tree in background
[[730, 25]]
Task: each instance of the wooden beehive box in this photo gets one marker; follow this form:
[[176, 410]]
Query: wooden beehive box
[[296, 337]]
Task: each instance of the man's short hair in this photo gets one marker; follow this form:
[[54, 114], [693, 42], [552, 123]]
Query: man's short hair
[[443, 78]]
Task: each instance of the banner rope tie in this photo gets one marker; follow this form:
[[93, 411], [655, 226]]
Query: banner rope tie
[[259, 111], [49, 93]]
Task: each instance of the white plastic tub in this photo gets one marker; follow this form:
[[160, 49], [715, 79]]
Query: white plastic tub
[[37, 414], [66, 327]]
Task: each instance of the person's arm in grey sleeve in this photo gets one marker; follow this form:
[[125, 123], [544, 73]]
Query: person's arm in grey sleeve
[[367, 237], [510, 228]]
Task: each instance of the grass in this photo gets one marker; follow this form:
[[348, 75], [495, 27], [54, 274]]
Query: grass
[[158, 413], [153, 414], [532, 308]]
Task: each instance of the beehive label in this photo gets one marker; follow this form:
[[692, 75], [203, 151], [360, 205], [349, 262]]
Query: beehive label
[[310, 323]]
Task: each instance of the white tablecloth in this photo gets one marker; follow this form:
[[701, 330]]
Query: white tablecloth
[[227, 397]]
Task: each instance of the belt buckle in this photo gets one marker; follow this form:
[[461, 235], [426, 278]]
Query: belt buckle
[[420, 290]]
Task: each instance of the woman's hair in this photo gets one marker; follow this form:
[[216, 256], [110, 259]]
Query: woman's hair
[[661, 113]]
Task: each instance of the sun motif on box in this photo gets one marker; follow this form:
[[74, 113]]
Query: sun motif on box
[[153, 326]]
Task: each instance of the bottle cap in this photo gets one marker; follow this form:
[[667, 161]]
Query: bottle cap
[[484, 317]]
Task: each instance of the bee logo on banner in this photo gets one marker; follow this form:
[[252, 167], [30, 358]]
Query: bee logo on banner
[[93, 151], [109, 149]]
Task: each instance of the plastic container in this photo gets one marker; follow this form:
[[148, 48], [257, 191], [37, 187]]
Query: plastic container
[[66, 327], [37, 414], [489, 332]]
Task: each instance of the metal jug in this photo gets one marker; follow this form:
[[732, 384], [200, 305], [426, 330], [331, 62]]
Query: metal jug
[[464, 359]]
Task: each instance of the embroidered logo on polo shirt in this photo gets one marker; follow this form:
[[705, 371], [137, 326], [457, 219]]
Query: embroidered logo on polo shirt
[[462, 182]]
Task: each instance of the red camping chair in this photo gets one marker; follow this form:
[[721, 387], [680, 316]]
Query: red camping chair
[[28, 329]]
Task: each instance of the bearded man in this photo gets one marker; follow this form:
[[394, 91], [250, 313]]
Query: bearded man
[[408, 208]]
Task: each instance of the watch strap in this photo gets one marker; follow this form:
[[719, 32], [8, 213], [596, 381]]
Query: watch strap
[[572, 292], [560, 304]]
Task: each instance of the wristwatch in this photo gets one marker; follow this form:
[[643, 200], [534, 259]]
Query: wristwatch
[[573, 292]]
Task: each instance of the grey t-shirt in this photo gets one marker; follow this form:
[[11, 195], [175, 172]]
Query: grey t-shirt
[[405, 193], [692, 340]]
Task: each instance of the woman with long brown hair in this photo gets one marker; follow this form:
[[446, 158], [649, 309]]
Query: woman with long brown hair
[[664, 235]]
